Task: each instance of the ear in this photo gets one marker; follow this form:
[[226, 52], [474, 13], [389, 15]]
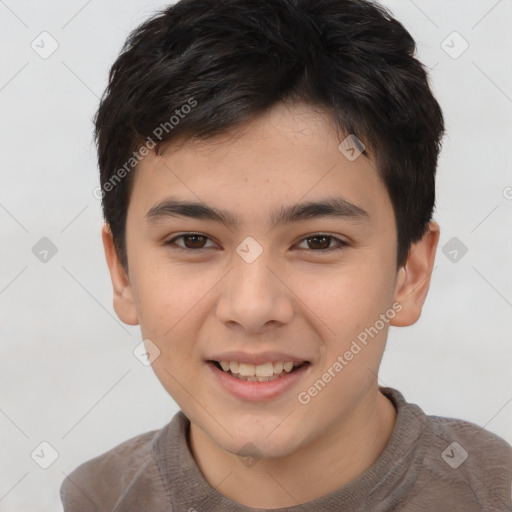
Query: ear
[[413, 279], [124, 305]]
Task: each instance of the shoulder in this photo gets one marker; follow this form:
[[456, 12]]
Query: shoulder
[[470, 456], [468, 441], [99, 483], [479, 443], [456, 464]]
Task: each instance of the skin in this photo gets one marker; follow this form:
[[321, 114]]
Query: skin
[[293, 298]]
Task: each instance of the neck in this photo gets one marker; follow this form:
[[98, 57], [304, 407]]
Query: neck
[[342, 454]]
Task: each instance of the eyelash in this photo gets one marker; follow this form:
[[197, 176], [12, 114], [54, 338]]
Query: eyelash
[[342, 244]]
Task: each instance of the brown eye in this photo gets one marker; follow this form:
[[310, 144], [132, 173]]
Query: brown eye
[[194, 241], [315, 243], [319, 243], [191, 241]]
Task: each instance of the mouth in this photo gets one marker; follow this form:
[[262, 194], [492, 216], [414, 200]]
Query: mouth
[[265, 372], [258, 376]]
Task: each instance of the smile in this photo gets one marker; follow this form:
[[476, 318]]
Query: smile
[[252, 382], [265, 372]]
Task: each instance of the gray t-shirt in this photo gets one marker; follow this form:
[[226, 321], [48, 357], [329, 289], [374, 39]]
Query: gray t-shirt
[[429, 464]]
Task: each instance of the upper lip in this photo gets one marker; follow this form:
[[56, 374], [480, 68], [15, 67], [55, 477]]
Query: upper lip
[[256, 358]]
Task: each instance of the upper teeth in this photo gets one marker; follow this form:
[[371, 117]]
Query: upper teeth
[[258, 370]]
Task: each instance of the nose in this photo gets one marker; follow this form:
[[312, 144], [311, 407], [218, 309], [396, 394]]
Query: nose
[[254, 296]]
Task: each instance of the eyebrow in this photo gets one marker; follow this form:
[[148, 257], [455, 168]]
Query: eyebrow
[[331, 207]]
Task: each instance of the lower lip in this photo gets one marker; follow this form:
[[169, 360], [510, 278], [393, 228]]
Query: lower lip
[[258, 391]]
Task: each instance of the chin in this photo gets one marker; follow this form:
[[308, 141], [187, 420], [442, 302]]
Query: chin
[[248, 441], [259, 448]]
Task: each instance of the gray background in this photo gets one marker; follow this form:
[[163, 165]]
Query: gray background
[[68, 375]]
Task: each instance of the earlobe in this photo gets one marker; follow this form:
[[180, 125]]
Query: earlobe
[[413, 279], [124, 304]]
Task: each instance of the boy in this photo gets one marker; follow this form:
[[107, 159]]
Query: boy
[[267, 173]]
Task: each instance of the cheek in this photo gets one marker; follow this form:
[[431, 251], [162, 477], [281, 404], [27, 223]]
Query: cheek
[[172, 306], [168, 316], [164, 297], [350, 307], [346, 300], [353, 344]]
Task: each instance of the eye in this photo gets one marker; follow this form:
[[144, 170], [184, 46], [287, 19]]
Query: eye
[[192, 241], [321, 243], [317, 243]]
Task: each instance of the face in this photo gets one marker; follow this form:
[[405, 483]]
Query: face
[[253, 278]]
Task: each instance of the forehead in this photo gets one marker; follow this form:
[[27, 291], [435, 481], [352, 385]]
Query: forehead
[[287, 155]]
